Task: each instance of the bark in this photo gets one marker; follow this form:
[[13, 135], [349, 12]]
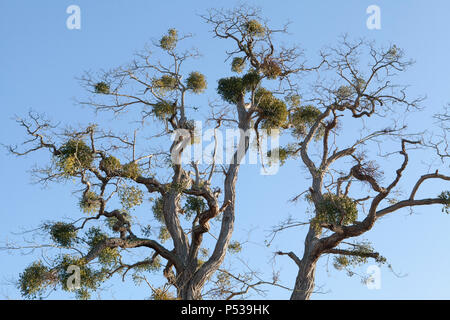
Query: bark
[[188, 289], [304, 284], [190, 293]]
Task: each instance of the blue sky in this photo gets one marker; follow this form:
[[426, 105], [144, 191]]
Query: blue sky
[[41, 59]]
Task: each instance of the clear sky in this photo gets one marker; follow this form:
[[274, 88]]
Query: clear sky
[[41, 58]]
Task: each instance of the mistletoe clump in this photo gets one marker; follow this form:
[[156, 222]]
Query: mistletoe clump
[[344, 92], [179, 187], [90, 278], [112, 223], [108, 256], [131, 170], [130, 197], [272, 111], [340, 262], [302, 118], [271, 68], [90, 202], [223, 282], [111, 165], [74, 156], [164, 234], [162, 294], [293, 100], [163, 109], [232, 89], [283, 154], [193, 206], [35, 279], [234, 247], [254, 28], [165, 83], [360, 84], [238, 64], [158, 209], [393, 53], [169, 41], [102, 88], [336, 210], [196, 82], [343, 97], [64, 234], [251, 80]]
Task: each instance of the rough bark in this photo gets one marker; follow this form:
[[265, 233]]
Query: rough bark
[[305, 281]]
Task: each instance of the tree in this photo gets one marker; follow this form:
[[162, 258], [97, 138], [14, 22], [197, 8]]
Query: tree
[[349, 197], [117, 174]]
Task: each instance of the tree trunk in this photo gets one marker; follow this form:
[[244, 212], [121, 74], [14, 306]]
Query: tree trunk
[[304, 284], [187, 288], [193, 290], [190, 292]]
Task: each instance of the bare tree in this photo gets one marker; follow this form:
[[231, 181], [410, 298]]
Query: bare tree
[[347, 201]]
